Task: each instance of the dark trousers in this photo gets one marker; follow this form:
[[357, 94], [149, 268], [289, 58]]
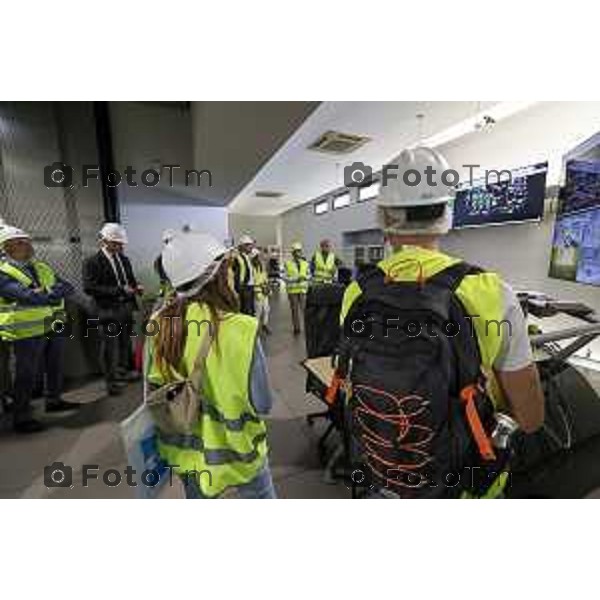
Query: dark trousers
[[115, 343], [247, 301], [32, 357], [5, 379]]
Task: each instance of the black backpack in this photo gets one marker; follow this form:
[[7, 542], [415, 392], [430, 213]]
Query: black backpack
[[417, 412]]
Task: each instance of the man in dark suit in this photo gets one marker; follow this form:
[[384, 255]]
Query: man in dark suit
[[109, 279], [243, 275]]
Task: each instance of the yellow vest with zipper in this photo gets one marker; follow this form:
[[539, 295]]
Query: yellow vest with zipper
[[294, 272], [260, 282], [17, 321], [481, 294], [324, 269], [228, 446]]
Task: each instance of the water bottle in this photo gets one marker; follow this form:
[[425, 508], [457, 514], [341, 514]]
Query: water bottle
[[505, 427]]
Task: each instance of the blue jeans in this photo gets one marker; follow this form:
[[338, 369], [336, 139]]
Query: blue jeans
[[260, 488]]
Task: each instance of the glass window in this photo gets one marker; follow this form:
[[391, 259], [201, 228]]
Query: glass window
[[321, 207], [368, 192], [341, 201]]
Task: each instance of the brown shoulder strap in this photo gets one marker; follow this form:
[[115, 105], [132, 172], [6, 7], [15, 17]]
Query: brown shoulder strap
[[200, 363]]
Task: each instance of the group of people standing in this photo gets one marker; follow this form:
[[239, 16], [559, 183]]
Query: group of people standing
[[34, 327], [251, 281], [322, 269]]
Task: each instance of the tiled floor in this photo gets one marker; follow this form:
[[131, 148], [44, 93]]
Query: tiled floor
[[91, 436]]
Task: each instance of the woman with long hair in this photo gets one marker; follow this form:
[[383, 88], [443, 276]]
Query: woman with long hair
[[228, 445]]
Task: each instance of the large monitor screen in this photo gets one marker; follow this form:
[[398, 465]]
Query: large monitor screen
[[575, 252], [519, 197], [582, 186]]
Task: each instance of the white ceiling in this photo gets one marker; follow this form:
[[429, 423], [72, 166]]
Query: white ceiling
[[303, 175]]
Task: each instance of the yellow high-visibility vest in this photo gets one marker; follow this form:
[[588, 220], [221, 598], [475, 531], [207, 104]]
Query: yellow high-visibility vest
[[324, 268], [228, 446], [294, 272], [18, 322]]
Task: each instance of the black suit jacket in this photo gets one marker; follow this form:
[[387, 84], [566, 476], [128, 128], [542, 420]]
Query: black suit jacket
[[100, 282]]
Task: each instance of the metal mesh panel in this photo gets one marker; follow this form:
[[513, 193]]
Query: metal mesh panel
[[62, 221]]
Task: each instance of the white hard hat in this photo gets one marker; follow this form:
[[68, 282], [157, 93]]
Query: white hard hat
[[399, 194], [189, 256], [296, 246], [245, 239], [8, 232], [113, 232], [167, 235]]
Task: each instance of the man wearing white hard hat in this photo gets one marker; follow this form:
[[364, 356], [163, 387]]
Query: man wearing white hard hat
[[30, 295], [423, 354], [243, 276], [203, 335], [296, 283], [109, 279]]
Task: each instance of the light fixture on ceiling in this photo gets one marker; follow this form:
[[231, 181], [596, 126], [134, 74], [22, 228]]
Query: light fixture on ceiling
[[481, 121], [268, 194]]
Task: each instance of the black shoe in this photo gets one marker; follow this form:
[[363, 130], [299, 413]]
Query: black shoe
[[296, 332], [114, 390], [29, 426], [266, 330], [55, 405]]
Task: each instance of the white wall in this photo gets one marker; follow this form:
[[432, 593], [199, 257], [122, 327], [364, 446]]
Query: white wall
[[145, 221], [262, 228], [301, 224]]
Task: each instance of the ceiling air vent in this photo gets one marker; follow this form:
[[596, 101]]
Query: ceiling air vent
[[334, 142], [268, 194]]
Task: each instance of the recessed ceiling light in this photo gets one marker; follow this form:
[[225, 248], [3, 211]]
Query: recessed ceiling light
[[268, 194]]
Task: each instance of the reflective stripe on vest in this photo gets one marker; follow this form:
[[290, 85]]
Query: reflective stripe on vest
[[293, 273], [243, 269], [324, 269], [229, 440], [19, 322]]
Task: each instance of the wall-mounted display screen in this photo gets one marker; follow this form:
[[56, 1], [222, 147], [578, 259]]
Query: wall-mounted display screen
[[575, 252], [519, 197], [582, 186]]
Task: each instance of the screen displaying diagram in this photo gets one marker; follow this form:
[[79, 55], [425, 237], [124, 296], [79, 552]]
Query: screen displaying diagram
[[575, 254], [519, 197], [582, 186]]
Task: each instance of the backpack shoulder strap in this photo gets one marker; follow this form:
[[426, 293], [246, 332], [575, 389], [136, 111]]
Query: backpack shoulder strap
[[370, 277], [200, 363], [452, 276]]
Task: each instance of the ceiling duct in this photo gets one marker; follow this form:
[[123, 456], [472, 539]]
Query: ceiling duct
[[335, 142]]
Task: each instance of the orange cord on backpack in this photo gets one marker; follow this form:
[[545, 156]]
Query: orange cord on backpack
[[404, 419], [467, 395]]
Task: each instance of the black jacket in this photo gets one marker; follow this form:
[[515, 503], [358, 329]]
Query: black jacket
[[100, 282]]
